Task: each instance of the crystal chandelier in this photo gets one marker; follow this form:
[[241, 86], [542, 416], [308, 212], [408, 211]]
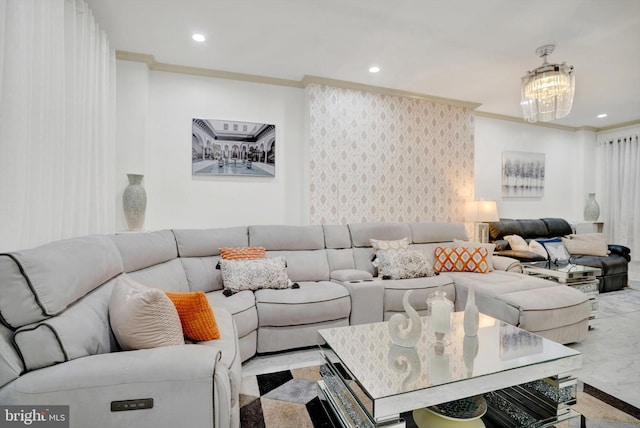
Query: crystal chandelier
[[547, 91]]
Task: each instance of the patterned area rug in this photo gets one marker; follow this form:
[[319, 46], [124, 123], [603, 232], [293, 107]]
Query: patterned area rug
[[290, 399]]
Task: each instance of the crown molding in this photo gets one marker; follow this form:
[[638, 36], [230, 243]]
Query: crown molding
[[554, 125], [620, 125], [308, 79], [523, 122], [206, 72]]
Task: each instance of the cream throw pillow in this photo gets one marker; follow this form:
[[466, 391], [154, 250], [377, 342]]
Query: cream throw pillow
[[517, 243], [143, 317], [536, 247], [588, 244]]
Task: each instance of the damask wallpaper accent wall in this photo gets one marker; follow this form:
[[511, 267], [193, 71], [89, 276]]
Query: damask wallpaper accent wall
[[377, 157]]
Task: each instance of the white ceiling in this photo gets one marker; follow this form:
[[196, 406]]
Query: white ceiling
[[469, 50]]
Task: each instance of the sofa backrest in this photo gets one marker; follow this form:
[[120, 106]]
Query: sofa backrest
[[151, 258], [337, 240], [302, 247], [199, 252], [55, 299], [529, 228]]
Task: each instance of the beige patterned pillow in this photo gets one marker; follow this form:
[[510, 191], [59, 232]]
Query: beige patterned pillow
[[143, 317], [238, 275]]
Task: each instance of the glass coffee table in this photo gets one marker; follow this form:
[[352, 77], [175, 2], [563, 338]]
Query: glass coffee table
[[503, 377]]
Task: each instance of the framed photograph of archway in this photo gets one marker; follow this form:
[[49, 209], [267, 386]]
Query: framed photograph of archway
[[522, 175], [227, 147]]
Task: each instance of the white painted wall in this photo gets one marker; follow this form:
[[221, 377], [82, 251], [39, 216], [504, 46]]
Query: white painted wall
[[176, 199], [132, 98], [569, 160]]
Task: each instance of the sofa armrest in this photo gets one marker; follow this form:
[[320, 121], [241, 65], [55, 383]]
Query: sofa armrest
[[367, 300], [345, 275], [620, 250], [507, 264], [179, 379]]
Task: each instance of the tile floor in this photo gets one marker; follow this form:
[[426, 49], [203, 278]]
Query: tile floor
[[611, 361]]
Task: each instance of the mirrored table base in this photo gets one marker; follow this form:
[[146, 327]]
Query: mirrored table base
[[542, 403]]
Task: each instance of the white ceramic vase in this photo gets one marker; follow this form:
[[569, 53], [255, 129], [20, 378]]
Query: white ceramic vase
[[134, 202], [591, 209], [471, 313]]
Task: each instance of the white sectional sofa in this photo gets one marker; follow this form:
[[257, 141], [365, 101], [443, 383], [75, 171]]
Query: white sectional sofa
[[57, 347]]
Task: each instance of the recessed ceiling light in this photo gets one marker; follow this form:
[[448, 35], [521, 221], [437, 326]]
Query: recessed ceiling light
[[374, 69], [199, 37], [600, 116]]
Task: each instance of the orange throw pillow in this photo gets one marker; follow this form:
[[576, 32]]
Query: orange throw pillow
[[242, 253], [461, 259], [196, 316]]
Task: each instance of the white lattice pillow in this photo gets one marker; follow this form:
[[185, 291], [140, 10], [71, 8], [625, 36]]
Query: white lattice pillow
[[238, 275]]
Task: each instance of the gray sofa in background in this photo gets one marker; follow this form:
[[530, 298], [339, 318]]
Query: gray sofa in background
[[56, 345]]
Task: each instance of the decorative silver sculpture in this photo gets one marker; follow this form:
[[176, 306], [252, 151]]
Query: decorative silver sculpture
[[405, 331]]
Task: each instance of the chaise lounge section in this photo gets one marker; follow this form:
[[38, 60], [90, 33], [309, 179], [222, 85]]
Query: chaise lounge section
[[57, 345]]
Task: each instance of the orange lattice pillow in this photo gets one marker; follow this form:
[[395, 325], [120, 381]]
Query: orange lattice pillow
[[242, 253], [461, 259], [196, 316]]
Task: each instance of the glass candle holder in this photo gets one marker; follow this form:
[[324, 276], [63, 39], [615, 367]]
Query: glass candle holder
[[440, 309]]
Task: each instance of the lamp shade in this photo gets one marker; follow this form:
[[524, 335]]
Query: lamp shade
[[481, 211]]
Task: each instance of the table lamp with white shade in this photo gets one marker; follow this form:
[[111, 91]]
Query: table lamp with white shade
[[480, 213]]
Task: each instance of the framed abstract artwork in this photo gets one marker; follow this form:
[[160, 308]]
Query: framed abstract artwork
[[226, 147], [522, 175]]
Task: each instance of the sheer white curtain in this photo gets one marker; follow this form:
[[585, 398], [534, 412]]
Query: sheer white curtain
[[620, 200], [57, 118]]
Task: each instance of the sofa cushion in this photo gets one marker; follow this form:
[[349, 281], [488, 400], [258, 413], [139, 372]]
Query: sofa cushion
[[167, 276], [197, 318], [313, 302], [81, 330], [239, 275], [461, 259], [344, 275], [143, 317], [289, 238], [403, 264], [206, 242], [38, 283], [336, 236], [556, 227], [141, 250], [202, 274], [428, 232], [362, 233], [310, 265], [394, 291], [241, 305]]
